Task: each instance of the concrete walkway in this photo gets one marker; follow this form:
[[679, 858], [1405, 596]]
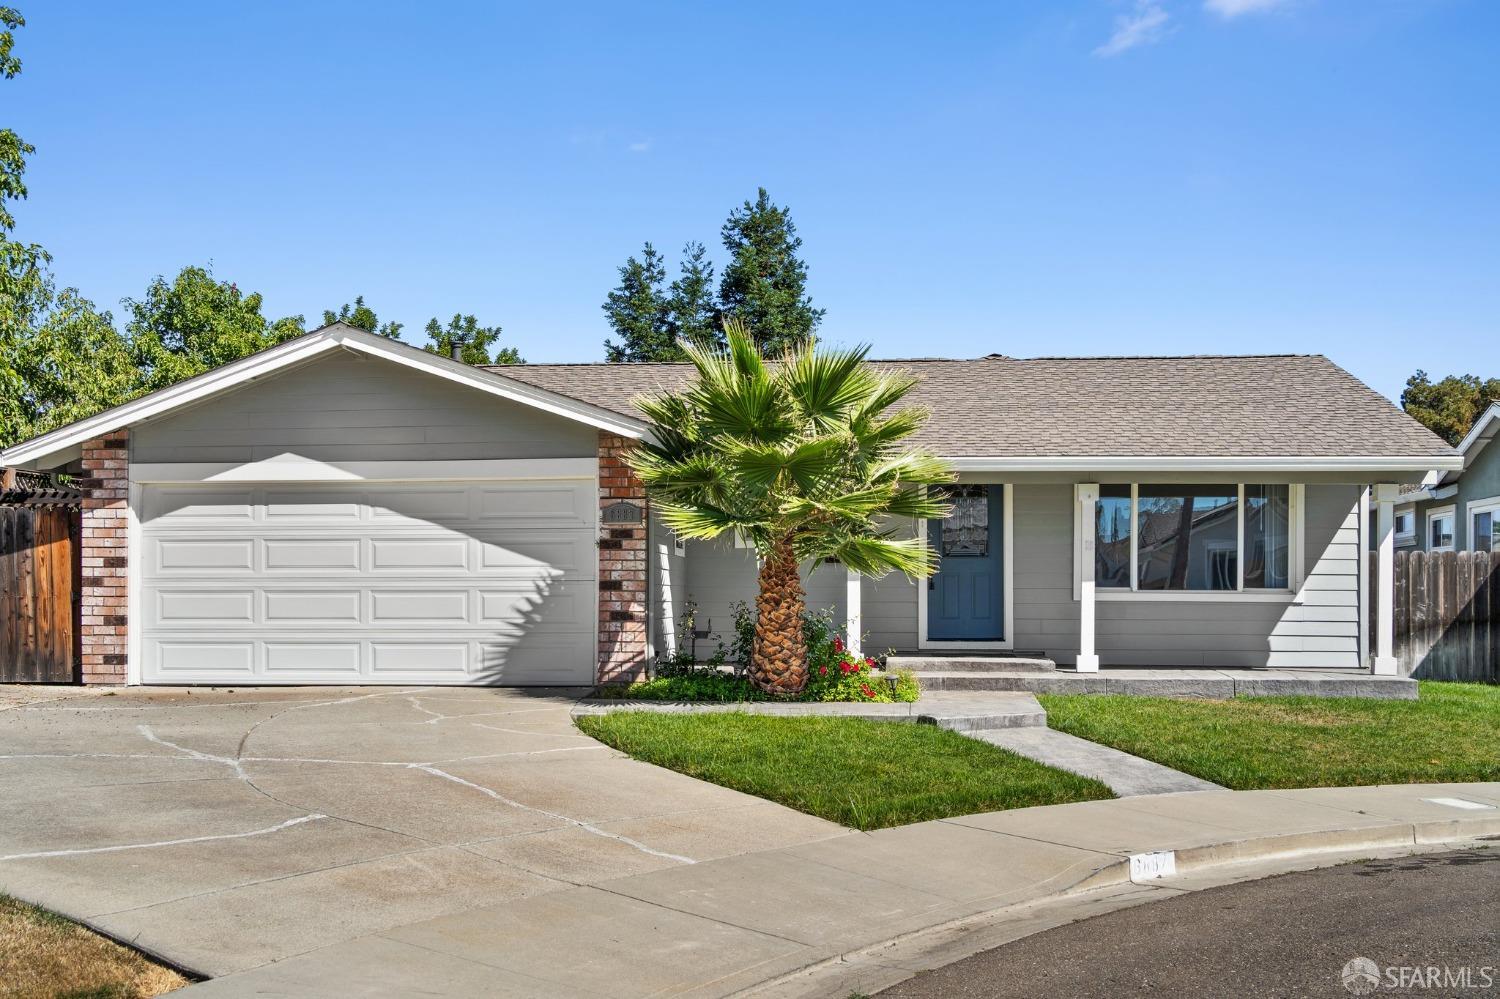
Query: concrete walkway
[[862, 911], [1121, 772]]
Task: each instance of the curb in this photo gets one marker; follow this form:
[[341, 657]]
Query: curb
[[882, 965]]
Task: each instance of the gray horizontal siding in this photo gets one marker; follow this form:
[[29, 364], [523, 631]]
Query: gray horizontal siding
[[343, 408], [1321, 630]]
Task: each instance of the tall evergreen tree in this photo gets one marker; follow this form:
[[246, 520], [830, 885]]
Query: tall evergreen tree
[[474, 339], [639, 312], [765, 282], [692, 310], [361, 317]]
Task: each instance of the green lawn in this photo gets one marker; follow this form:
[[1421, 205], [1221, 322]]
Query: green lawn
[[1452, 733], [858, 773]]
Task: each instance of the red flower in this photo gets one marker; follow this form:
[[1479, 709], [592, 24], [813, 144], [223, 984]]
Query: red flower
[[838, 644], [847, 667], [865, 689], [822, 670], [869, 662]]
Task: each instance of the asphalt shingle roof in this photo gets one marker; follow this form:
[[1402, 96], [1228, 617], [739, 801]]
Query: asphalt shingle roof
[[1252, 406]]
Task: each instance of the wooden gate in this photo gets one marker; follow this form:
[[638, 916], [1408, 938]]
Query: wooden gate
[[38, 584], [1447, 614]]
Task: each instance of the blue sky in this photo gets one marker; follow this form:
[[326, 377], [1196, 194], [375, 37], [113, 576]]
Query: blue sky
[[1062, 177]]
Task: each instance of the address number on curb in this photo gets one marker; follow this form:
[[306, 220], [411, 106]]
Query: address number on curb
[[1151, 866]]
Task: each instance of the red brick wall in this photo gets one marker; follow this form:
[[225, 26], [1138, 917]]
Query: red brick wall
[[104, 594], [622, 570]]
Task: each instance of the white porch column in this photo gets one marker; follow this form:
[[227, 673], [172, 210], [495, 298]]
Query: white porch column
[[1384, 663], [1088, 496], [853, 613]]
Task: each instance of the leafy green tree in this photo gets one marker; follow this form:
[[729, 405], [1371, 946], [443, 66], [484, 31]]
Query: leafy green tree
[[474, 340], [765, 282], [692, 309], [1449, 407], [194, 323], [73, 365], [362, 317], [23, 276], [638, 312], [806, 460]]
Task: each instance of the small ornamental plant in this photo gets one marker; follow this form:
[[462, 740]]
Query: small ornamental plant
[[836, 674]]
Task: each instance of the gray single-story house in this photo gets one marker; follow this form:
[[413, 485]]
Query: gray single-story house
[[343, 508], [1457, 510]]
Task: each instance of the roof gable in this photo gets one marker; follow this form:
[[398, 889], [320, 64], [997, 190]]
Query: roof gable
[[337, 336]]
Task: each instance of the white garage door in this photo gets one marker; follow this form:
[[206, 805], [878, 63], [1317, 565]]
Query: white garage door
[[449, 582]]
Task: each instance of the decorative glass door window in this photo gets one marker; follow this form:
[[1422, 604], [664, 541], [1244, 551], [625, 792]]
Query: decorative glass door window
[[966, 531]]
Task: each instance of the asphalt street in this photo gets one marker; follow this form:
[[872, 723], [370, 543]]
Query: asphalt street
[[1430, 925]]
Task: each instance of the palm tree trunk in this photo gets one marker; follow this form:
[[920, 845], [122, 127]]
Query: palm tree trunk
[[778, 664]]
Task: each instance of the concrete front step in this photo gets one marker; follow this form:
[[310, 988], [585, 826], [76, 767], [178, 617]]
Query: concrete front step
[[923, 665]]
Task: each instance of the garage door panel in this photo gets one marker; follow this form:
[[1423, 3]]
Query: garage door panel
[[305, 555], [164, 506], [449, 607], [536, 659], [482, 582], [284, 507], [185, 660], [303, 608], [192, 608], [197, 557], [420, 658], [536, 505], [565, 608], [310, 662], [538, 554], [417, 554], [444, 506]]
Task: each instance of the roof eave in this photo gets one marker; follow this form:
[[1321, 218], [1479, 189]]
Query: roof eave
[[1371, 464]]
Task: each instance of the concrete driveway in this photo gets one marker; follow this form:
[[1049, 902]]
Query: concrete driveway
[[225, 829]]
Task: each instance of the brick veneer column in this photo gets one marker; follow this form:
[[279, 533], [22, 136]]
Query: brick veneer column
[[104, 621], [622, 570]]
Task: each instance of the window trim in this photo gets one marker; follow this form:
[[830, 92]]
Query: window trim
[[1437, 513], [1472, 510], [1295, 567]]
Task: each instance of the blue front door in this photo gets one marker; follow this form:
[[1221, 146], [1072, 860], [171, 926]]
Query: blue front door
[[965, 601]]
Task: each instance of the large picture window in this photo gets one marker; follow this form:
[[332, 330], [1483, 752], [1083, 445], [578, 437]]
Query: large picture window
[[1193, 538]]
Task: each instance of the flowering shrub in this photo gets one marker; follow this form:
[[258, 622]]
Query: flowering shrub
[[834, 673]]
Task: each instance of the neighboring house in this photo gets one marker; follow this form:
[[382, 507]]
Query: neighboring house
[[1460, 509], [343, 508]]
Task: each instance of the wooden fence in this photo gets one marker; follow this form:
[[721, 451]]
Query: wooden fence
[[1447, 614], [38, 583]]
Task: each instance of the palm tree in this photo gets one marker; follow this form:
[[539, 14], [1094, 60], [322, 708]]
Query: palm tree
[[800, 457]]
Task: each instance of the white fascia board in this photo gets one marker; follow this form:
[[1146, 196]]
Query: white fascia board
[[296, 351], [1137, 463], [1474, 441]]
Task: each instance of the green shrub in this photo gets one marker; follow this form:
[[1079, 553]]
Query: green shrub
[[906, 688], [701, 685]]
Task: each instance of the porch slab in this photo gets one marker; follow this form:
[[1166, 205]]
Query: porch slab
[[1178, 682]]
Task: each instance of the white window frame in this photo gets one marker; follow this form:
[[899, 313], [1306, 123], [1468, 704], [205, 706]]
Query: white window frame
[[1295, 571], [1472, 510], [1437, 513], [1408, 538]]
